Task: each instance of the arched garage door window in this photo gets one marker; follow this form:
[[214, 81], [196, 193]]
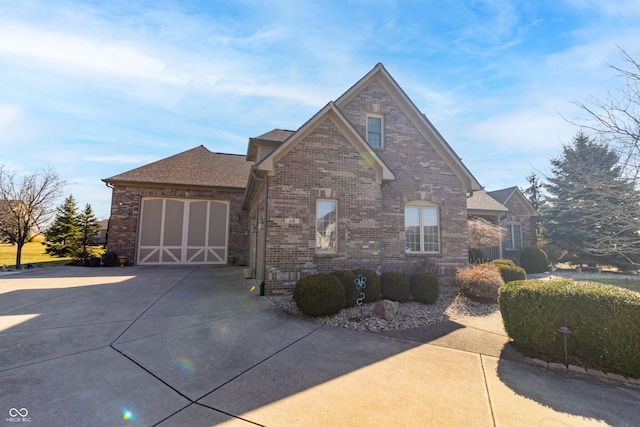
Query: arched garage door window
[[183, 231]]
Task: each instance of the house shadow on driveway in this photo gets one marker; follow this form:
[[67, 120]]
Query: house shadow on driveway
[[582, 399]]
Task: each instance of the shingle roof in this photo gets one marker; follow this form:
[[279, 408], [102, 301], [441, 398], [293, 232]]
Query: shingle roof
[[279, 135], [197, 166], [483, 201], [502, 195]]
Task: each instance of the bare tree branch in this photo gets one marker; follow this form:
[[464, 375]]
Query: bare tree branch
[[26, 205]]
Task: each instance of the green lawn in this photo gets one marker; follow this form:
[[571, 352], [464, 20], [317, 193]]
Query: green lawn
[[631, 284], [32, 252]]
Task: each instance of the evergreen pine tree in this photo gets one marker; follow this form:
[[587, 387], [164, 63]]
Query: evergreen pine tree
[[63, 236], [593, 212], [88, 224]]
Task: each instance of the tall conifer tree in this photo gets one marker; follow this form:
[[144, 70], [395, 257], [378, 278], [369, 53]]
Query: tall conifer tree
[[63, 235], [593, 211]]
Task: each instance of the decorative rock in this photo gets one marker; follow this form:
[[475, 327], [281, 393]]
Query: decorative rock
[[596, 373], [635, 381], [539, 362], [558, 366], [577, 369], [616, 377], [387, 310]]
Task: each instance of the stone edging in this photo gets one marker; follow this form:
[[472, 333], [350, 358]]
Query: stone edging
[[588, 371]]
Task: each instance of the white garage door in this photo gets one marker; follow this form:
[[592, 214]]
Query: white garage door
[[183, 231]]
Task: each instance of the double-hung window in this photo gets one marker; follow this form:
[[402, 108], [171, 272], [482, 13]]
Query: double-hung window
[[326, 226], [374, 131], [514, 236], [422, 227]]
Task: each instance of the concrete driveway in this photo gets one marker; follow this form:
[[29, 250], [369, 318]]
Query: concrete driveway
[[194, 346]]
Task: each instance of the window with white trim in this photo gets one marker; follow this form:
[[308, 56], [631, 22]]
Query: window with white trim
[[514, 236], [375, 135], [326, 226], [422, 227]]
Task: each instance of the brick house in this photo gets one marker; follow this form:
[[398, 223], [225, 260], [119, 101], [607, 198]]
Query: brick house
[[509, 208], [367, 182]]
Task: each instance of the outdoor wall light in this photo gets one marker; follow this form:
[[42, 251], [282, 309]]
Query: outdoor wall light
[[565, 331]]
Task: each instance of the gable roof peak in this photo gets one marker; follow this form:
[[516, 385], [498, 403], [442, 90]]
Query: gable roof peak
[[380, 74]]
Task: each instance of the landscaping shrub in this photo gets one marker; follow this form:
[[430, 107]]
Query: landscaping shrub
[[504, 261], [603, 320], [425, 287], [510, 273], [534, 260], [479, 282], [319, 295], [395, 286], [476, 255], [348, 282], [373, 289]]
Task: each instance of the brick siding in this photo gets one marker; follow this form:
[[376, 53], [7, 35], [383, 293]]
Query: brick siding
[[370, 215]]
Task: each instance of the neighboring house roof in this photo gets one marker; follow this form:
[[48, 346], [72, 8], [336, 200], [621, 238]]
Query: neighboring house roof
[[330, 111], [505, 194], [482, 202], [103, 225], [278, 135], [196, 167], [272, 138], [424, 126]]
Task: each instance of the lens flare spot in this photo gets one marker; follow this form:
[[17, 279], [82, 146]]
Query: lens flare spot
[[253, 288], [127, 415], [185, 365]]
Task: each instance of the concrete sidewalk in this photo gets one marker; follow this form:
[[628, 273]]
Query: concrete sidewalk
[[194, 346]]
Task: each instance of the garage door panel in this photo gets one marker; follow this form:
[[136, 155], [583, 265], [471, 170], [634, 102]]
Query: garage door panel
[[173, 223], [151, 222], [172, 256], [198, 224], [218, 226], [149, 255], [217, 255], [183, 231], [196, 255]]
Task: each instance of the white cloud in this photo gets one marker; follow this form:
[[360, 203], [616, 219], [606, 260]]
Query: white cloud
[[106, 56], [9, 114]]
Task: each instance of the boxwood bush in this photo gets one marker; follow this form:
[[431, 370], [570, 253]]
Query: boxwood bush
[[373, 289], [534, 260], [603, 320], [319, 295], [503, 261], [348, 282], [425, 287], [395, 286], [510, 273]]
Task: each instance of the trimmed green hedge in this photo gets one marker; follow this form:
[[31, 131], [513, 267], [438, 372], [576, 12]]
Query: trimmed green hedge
[[319, 295], [373, 289], [425, 287], [348, 281], [510, 273], [534, 260], [395, 286], [604, 320], [504, 261]]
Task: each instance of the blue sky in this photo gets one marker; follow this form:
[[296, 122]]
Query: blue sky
[[96, 88]]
